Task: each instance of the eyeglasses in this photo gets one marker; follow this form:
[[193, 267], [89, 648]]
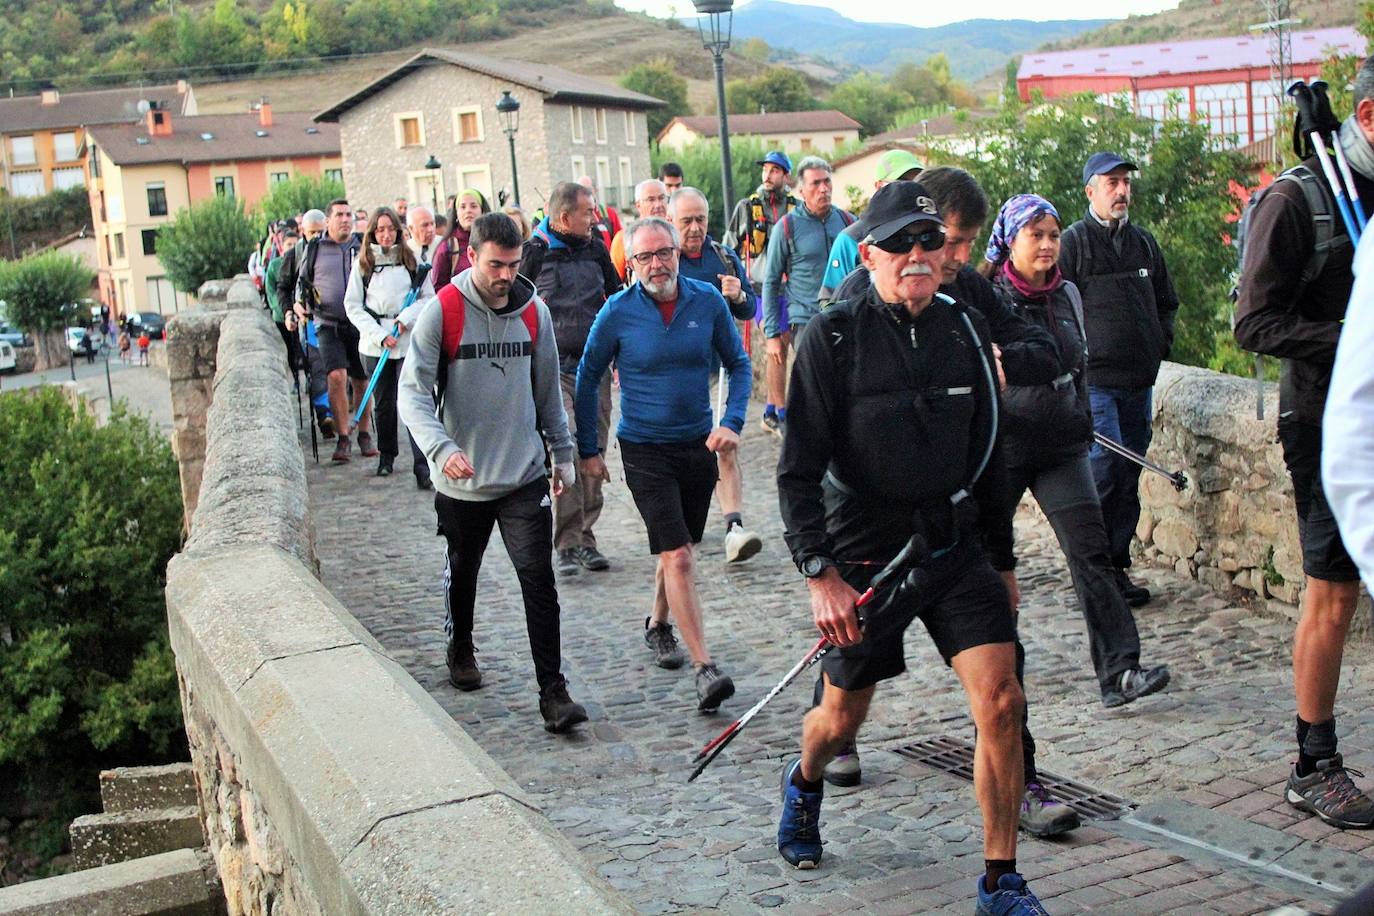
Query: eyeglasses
[[903, 241], [645, 258]]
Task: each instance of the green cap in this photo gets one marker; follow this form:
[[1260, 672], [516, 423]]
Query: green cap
[[895, 163]]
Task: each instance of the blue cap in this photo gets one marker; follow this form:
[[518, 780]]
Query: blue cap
[[778, 158], [1102, 163]]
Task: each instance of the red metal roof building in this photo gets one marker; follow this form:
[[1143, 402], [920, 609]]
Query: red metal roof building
[[1223, 80]]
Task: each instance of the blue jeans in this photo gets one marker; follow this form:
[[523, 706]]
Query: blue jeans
[[1123, 415]]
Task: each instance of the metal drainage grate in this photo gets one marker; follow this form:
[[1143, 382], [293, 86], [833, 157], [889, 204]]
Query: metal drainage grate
[[955, 756]]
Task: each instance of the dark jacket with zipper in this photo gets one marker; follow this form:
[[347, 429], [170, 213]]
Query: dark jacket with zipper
[[1047, 423], [887, 418], [574, 277], [1128, 300], [1276, 317]]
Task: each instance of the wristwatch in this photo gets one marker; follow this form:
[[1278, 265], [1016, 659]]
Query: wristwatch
[[815, 565]]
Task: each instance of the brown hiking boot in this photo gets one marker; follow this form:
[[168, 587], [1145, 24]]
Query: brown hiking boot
[[342, 448], [365, 446], [560, 711], [463, 672]]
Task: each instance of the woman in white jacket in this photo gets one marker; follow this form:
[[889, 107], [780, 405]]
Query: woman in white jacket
[[380, 304]]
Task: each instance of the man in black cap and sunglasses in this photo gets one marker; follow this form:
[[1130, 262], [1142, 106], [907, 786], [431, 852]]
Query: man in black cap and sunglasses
[[893, 434]]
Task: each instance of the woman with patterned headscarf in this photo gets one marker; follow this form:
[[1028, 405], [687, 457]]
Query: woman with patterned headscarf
[[451, 255], [1046, 432]]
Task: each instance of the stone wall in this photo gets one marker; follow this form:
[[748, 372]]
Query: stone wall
[[329, 782], [1235, 525]]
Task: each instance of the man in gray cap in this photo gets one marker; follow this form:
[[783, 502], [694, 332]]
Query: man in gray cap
[[1128, 309]]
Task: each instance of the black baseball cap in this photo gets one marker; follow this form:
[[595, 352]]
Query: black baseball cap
[[1102, 163], [895, 206]]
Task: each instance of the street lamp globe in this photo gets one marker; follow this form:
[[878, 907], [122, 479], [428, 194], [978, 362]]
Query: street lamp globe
[[508, 107], [715, 21], [434, 165]]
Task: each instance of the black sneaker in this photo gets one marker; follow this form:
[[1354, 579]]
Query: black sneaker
[[660, 638], [559, 710], [592, 559], [1135, 595], [463, 672], [713, 688], [422, 482], [384, 468], [1329, 793], [566, 563], [1134, 684]]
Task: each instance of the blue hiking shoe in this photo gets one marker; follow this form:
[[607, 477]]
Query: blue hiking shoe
[[1012, 898], [799, 831]]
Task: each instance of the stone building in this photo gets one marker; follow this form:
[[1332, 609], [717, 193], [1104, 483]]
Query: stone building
[[797, 132], [442, 104]]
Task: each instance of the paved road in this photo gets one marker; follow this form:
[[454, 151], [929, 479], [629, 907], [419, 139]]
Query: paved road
[[143, 389], [1204, 762]]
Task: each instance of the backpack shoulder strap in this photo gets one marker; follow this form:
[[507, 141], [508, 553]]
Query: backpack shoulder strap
[[1323, 220], [531, 318], [455, 313], [847, 218], [724, 258]]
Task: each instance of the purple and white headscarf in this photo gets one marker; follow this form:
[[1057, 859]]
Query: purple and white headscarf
[[1014, 215]]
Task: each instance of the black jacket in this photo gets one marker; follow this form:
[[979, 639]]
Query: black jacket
[[1271, 316], [1128, 301], [887, 418], [574, 277], [286, 278], [1029, 355], [1052, 420]]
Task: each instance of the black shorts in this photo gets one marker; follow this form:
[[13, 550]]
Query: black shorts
[[339, 348], [1323, 552], [671, 483], [963, 604]]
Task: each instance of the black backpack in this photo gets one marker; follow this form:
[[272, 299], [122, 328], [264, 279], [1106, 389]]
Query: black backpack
[[1324, 227]]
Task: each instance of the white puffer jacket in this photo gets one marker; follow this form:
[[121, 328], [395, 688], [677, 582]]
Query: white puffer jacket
[[384, 294]]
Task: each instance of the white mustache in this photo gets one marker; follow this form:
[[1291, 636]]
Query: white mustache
[[918, 270]]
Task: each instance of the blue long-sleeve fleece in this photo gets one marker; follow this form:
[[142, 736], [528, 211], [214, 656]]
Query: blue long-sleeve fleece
[[665, 372]]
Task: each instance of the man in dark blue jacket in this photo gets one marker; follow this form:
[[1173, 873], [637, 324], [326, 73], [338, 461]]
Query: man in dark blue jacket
[[664, 334]]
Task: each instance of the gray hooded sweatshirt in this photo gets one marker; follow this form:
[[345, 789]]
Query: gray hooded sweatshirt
[[499, 395]]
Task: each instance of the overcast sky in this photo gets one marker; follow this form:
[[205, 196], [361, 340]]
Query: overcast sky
[[931, 14]]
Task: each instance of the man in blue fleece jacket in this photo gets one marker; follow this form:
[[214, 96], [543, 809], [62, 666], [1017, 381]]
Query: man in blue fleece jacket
[[662, 334]]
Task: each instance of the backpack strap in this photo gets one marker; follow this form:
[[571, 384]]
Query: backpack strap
[[724, 258], [531, 318], [455, 313]]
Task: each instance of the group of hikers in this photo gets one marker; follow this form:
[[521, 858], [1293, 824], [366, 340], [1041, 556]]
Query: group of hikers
[[917, 391]]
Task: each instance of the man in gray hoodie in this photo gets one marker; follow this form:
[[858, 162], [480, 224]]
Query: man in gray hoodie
[[487, 341]]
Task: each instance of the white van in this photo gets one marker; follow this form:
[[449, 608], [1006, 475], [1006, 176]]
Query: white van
[[7, 361]]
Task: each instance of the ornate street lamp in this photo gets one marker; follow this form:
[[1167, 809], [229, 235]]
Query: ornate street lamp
[[508, 107], [715, 20], [433, 165]]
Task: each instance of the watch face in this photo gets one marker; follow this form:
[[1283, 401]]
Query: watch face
[[812, 567]]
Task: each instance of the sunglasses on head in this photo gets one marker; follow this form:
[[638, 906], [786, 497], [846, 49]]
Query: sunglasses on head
[[932, 239]]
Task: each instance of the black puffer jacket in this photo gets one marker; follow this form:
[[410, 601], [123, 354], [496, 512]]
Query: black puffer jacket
[[574, 277], [1045, 422]]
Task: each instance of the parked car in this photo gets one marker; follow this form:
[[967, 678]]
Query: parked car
[[151, 322], [75, 334], [7, 361], [13, 336]]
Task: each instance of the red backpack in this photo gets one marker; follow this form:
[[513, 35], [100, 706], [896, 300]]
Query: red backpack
[[455, 314]]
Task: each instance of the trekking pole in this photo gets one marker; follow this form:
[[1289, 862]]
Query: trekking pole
[[1301, 94], [1329, 123], [914, 550], [1177, 478], [720, 396], [376, 376]]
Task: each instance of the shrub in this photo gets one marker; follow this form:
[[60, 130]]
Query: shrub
[[207, 241]]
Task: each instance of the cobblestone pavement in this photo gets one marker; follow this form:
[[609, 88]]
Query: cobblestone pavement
[[908, 840]]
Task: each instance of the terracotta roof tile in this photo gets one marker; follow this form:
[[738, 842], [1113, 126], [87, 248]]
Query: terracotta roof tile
[[232, 137], [81, 109]]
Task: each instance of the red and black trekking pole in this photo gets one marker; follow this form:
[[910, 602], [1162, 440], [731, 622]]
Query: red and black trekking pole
[[914, 552]]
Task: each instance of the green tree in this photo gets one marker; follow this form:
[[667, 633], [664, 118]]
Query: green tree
[[870, 101], [756, 49], [700, 163], [659, 79], [207, 241], [91, 516], [296, 195], [775, 89], [40, 293]]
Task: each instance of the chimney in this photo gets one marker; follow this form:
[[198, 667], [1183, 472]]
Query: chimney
[[264, 112], [49, 97], [158, 120]]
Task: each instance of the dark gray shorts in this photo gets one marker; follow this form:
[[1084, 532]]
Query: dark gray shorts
[[339, 348]]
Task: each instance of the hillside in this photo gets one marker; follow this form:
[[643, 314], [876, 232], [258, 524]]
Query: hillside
[[1206, 19], [974, 46]]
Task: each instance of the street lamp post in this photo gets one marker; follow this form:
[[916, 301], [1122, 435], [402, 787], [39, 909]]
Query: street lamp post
[[715, 20], [434, 165], [508, 107]]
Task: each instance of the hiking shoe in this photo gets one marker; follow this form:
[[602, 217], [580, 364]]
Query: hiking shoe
[[799, 830], [1134, 684], [660, 638], [1135, 595], [566, 564], [422, 482], [559, 710], [844, 770], [342, 448], [1042, 816], [1012, 898], [740, 545], [384, 469], [713, 688], [1329, 793], [326, 425], [365, 446], [463, 672], [771, 424], [591, 558]]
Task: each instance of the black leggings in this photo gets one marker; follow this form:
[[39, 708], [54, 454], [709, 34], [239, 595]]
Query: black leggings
[[384, 410]]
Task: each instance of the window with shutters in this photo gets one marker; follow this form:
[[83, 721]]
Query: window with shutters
[[410, 129], [157, 198], [467, 124]]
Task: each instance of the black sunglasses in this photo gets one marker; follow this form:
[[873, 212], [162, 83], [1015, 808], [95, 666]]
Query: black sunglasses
[[903, 241]]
